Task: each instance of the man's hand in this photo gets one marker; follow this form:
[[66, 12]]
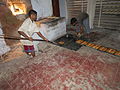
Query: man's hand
[[79, 34], [42, 36], [46, 39], [81, 30], [30, 39]]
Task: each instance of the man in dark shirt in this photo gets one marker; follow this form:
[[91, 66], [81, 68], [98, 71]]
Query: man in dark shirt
[[81, 24]]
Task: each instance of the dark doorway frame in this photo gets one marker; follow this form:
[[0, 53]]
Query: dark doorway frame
[[56, 9]]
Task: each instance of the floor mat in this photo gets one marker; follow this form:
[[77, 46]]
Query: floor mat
[[69, 42]]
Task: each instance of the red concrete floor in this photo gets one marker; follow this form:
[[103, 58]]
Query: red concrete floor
[[66, 70]]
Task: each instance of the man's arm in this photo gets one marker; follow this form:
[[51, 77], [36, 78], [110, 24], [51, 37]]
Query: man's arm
[[24, 35], [81, 30], [42, 36]]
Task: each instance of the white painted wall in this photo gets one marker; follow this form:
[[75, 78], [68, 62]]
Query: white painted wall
[[91, 11], [63, 8], [43, 7]]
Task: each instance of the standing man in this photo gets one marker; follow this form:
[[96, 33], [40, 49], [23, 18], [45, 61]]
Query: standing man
[[27, 29]]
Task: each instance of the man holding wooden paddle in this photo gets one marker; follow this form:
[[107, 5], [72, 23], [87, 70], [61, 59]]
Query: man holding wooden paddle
[[27, 29]]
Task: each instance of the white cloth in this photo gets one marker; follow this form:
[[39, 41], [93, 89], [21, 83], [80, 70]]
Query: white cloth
[[29, 28], [3, 47]]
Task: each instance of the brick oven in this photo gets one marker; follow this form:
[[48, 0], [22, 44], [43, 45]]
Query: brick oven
[[52, 28], [17, 6]]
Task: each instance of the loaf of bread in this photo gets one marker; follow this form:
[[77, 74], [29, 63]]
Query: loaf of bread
[[61, 42], [84, 43], [90, 44], [103, 48], [117, 53], [112, 51], [79, 41], [96, 46]]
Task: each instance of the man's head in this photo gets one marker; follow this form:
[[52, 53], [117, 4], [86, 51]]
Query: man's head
[[73, 21], [33, 15]]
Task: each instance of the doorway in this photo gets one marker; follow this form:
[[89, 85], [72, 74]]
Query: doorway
[[56, 9]]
